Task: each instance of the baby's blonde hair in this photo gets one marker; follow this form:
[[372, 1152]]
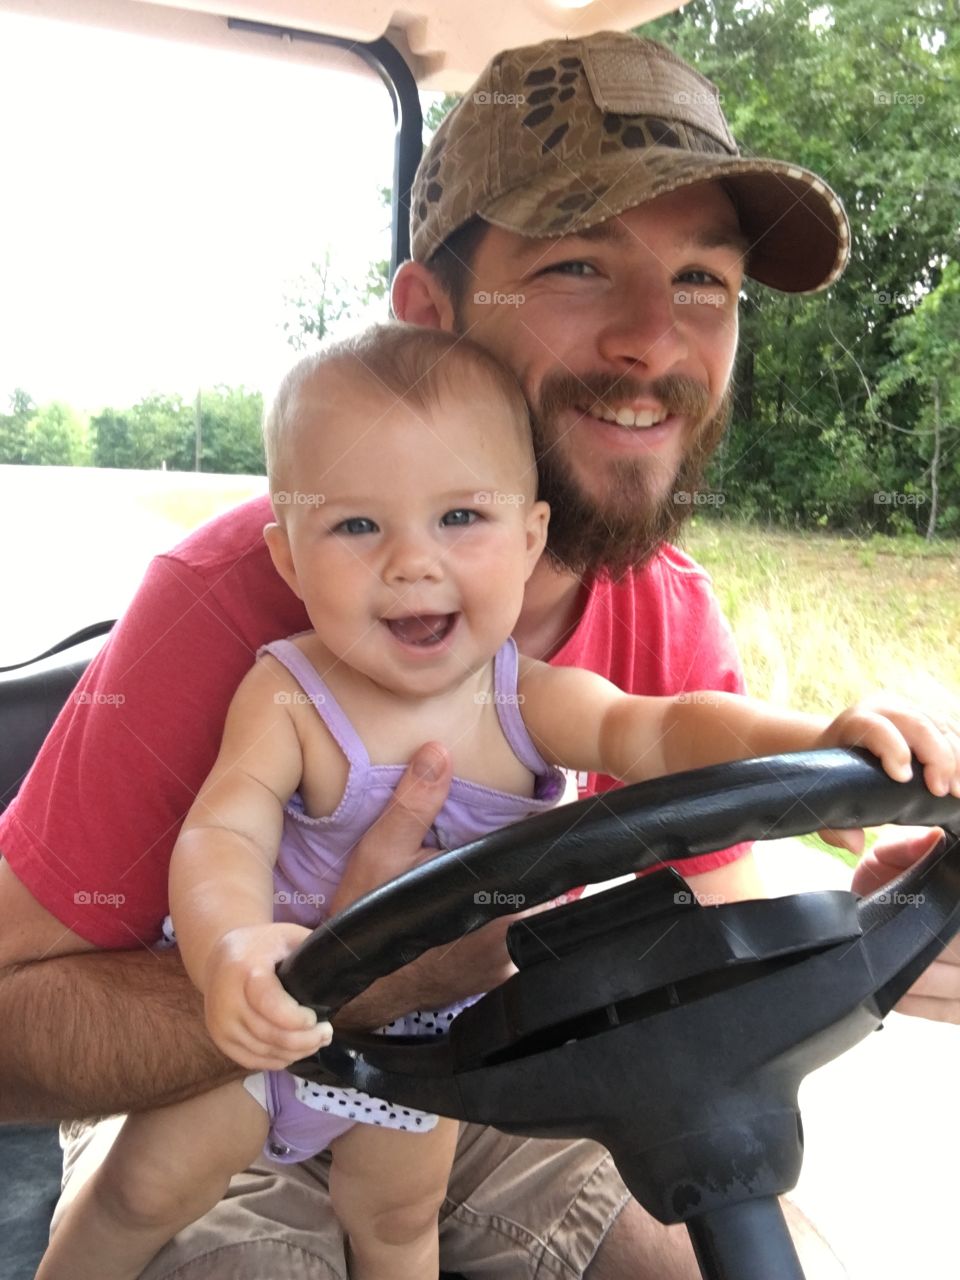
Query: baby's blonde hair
[[414, 365]]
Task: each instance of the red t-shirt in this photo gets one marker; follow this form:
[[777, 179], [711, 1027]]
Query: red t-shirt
[[92, 830]]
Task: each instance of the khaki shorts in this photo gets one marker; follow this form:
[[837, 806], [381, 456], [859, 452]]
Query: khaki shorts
[[517, 1208]]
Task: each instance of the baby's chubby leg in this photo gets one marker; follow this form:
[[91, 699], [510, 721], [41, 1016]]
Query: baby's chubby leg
[[166, 1168], [387, 1187]]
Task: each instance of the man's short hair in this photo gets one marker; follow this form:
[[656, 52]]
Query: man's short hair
[[413, 365], [559, 136], [452, 263]]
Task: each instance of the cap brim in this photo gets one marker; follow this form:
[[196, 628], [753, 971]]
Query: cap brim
[[797, 227]]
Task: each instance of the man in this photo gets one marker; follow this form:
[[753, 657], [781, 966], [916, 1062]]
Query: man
[[585, 215]]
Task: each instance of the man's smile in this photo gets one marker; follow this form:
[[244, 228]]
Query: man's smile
[[630, 414], [625, 429]]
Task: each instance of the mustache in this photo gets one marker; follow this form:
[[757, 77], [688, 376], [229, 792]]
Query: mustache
[[678, 394]]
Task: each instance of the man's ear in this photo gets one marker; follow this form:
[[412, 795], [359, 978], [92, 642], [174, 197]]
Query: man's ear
[[538, 518], [278, 544], [417, 297]]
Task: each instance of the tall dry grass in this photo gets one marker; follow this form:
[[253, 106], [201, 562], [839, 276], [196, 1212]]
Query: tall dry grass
[[823, 619]]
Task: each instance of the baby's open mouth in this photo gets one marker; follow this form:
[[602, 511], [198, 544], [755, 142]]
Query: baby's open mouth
[[422, 629]]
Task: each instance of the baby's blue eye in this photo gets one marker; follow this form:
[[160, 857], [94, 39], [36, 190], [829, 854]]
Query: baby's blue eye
[[356, 524], [460, 517]]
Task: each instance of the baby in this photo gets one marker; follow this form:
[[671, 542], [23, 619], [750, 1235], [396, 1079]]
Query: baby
[[405, 493]]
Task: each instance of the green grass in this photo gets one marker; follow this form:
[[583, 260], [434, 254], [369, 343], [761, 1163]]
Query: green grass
[[822, 620]]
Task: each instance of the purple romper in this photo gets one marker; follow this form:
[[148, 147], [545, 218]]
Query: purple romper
[[306, 1117]]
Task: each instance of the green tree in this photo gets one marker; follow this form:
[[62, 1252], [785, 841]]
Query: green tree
[[156, 431], [927, 357], [318, 299], [863, 92], [14, 433], [113, 440], [56, 436], [231, 440]]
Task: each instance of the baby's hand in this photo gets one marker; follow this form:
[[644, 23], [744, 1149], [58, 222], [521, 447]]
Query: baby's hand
[[250, 1017], [893, 730]]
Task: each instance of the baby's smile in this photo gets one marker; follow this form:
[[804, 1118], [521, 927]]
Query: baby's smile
[[422, 630]]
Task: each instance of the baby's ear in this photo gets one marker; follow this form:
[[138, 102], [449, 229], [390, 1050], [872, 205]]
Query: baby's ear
[[278, 544], [538, 518]]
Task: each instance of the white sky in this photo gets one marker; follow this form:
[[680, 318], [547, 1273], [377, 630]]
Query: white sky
[[157, 198]]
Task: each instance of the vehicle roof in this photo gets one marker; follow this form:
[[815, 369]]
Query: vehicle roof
[[446, 42]]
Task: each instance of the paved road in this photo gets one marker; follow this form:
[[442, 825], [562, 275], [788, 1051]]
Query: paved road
[[75, 544], [881, 1126]]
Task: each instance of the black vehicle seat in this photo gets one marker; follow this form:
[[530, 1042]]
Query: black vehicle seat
[[31, 696]]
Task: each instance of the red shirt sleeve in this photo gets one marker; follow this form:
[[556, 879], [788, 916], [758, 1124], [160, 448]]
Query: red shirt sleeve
[[658, 632], [91, 832]]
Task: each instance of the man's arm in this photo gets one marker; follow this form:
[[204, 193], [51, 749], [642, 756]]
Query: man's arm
[[81, 1027], [88, 1032]]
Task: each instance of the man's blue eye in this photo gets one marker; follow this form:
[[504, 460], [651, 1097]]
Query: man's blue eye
[[356, 524], [460, 517], [702, 278], [574, 267]]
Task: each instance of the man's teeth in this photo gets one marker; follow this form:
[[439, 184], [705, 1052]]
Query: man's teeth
[[630, 417]]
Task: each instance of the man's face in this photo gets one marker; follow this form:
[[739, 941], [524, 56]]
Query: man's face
[[634, 320]]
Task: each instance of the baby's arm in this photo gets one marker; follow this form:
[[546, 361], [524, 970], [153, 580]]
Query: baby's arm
[[221, 884], [582, 721]]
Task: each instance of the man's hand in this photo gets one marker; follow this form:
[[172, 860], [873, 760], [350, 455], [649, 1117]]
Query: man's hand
[[446, 974], [936, 993], [249, 1014], [394, 843]]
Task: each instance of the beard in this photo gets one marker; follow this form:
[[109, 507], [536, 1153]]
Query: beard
[[642, 507]]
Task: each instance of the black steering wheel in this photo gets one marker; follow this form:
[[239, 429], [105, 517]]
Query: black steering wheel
[[676, 1035]]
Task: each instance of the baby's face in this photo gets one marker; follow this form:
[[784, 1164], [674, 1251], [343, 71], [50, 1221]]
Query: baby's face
[[409, 533]]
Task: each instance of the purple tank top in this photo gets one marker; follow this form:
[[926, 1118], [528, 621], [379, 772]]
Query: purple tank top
[[314, 851]]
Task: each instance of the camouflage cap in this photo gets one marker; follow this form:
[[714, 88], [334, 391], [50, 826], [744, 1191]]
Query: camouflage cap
[[562, 135]]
